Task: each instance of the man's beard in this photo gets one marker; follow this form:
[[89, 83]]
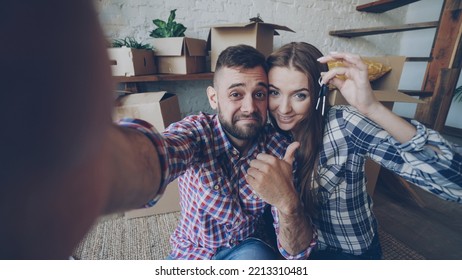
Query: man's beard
[[248, 132]]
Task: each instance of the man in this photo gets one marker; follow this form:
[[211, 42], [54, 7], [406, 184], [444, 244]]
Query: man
[[212, 153], [64, 163]]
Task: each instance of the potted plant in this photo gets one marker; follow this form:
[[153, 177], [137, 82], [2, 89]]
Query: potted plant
[[168, 29], [130, 42], [175, 53]]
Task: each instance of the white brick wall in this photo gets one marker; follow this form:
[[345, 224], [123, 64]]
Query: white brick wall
[[310, 19]]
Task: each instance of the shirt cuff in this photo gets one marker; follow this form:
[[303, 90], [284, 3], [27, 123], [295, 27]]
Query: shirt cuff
[[417, 143], [303, 255], [156, 139]]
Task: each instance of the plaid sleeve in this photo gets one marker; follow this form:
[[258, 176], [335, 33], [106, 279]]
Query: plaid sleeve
[[303, 255], [427, 160], [150, 132], [441, 168], [423, 138]]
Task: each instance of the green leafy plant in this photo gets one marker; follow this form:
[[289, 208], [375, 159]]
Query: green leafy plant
[[458, 94], [168, 29], [130, 42]]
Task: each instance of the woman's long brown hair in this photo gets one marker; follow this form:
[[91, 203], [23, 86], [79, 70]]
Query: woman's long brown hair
[[302, 57]]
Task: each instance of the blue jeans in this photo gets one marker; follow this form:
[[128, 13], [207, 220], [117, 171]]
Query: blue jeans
[[373, 253], [249, 249]]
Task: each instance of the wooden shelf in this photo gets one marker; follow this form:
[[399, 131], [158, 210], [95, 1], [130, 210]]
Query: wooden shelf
[[418, 59], [419, 93], [164, 77], [383, 5], [349, 33]]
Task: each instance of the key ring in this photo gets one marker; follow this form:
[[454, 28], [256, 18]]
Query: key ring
[[322, 95]]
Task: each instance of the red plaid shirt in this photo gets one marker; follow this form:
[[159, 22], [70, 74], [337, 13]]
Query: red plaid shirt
[[219, 208]]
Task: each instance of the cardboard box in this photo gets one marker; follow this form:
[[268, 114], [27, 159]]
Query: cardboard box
[[256, 34], [131, 62], [160, 109], [386, 88], [169, 202], [180, 55], [386, 91]]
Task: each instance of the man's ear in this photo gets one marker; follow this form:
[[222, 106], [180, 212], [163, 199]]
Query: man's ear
[[213, 97]]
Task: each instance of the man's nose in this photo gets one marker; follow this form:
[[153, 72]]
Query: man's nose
[[248, 104]]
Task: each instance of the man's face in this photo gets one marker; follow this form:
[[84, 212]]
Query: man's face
[[240, 98]]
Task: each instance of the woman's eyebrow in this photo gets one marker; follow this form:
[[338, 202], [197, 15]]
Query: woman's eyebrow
[[273, 86], [296, 90], [301, 89]]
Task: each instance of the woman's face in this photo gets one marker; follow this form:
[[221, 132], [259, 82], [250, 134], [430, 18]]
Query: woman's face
[[289, 97]]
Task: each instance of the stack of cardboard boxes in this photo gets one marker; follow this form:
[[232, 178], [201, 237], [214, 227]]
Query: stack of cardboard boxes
[[184, 55], [178, 55]]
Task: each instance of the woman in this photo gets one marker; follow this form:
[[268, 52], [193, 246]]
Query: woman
[[330, 176]]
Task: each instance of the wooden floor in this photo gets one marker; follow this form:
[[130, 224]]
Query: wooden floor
[[430, 226]]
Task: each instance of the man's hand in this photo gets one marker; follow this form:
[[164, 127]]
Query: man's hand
[[271, 178]]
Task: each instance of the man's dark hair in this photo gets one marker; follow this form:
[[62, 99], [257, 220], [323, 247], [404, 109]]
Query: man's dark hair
[[241, 56]]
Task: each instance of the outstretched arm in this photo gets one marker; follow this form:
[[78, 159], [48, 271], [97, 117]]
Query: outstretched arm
[[135, 170], [63, 161], [428, 160]]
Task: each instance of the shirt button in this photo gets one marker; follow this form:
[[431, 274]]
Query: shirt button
[[216, 187], [255, 196], [234, 152]]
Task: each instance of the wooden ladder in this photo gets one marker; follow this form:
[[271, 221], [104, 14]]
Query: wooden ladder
[[445, 59]]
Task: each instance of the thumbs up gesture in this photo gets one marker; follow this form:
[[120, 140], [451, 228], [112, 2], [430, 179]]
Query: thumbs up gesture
[[271, 178]]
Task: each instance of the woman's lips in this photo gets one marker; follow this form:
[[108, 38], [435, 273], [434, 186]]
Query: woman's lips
[[285, 119]]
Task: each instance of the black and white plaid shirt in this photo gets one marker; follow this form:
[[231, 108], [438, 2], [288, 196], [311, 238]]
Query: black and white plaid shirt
[[345, 220]]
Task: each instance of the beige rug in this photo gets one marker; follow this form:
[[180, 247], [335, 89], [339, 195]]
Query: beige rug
[[117, 238], [147, 238]]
